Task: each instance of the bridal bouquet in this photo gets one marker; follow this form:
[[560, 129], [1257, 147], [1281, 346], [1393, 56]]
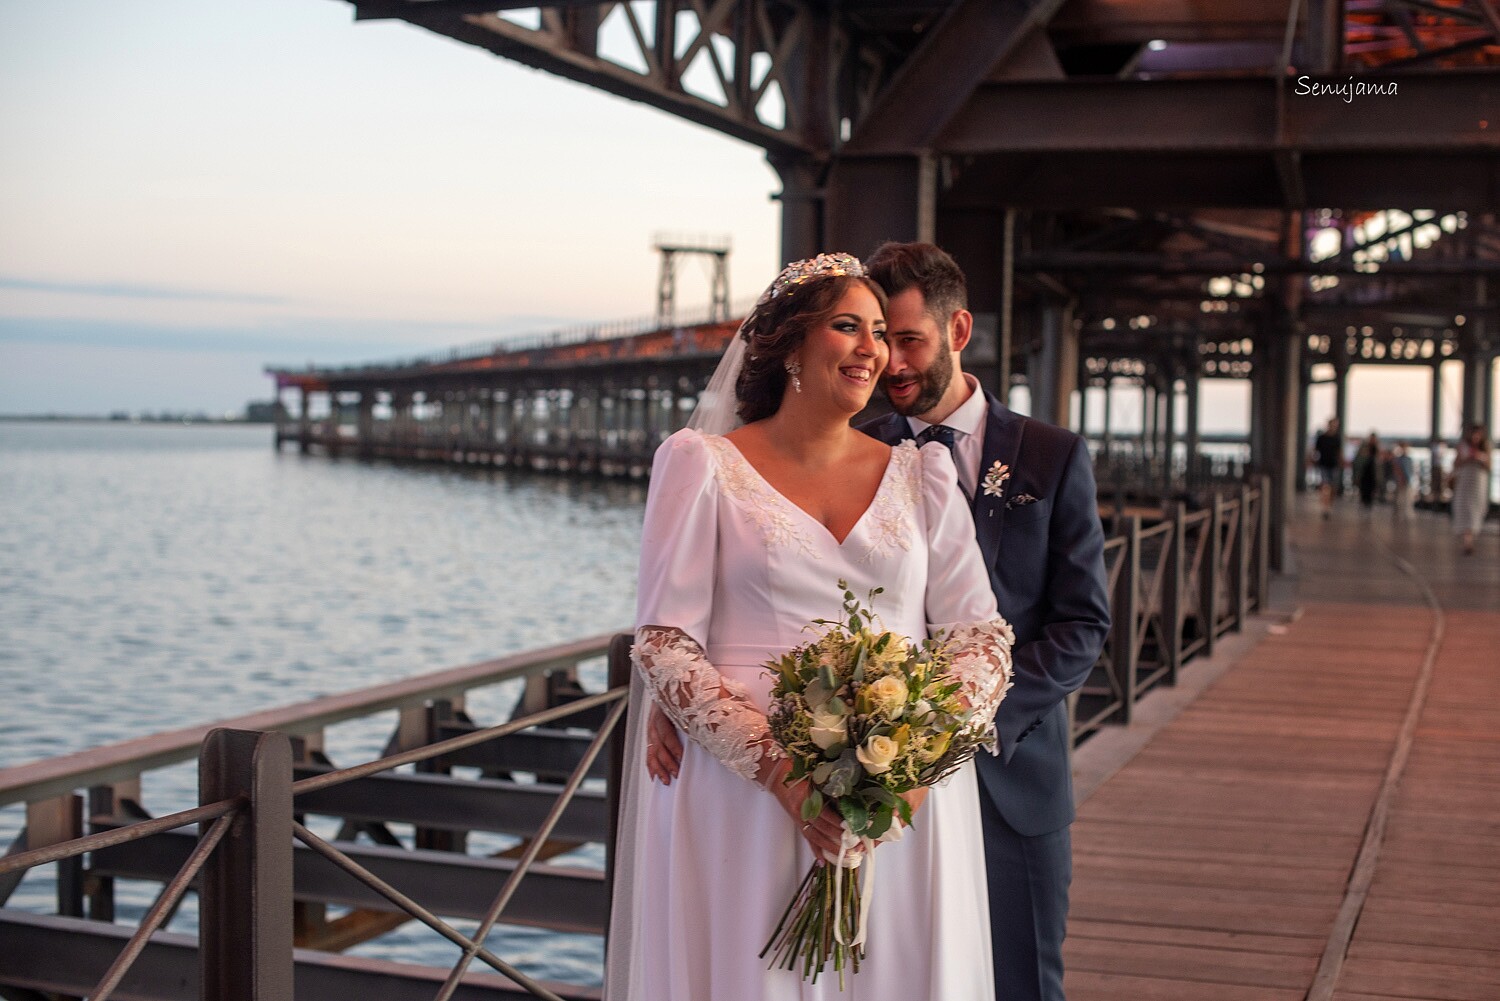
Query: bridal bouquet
[[864, 715]]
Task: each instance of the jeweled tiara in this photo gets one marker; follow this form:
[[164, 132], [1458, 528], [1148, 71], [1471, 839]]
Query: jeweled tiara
[[822, 266]]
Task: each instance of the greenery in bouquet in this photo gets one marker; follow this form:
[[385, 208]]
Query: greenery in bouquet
[[864, 715]]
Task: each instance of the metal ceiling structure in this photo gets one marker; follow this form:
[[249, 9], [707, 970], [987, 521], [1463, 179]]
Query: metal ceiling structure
[[1152, 190]]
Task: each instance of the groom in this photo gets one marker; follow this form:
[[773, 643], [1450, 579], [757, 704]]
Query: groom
[[1036, 517]]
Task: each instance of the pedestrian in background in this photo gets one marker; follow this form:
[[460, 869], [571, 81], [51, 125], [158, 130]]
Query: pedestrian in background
[[1328, 456], [1367, 470], [1471, 485], [1404, 475]]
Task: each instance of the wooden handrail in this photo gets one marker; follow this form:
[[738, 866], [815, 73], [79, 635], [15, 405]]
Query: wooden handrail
[[125, 760]]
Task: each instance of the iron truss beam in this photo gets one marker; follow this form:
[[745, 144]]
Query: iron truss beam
[[1430, 113], [1147, 263], [967, 46], [797, 47], [1228, 142]]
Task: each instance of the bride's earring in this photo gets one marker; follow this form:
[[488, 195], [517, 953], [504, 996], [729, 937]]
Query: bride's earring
[[793, 367]]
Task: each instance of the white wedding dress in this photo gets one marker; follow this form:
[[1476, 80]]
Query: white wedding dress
[[706, 866]]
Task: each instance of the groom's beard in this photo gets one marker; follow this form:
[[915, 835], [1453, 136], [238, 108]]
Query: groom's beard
[[933, 382]]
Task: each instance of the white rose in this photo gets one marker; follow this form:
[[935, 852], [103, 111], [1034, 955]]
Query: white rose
[[827, 729], [877, 754], [887, 695]]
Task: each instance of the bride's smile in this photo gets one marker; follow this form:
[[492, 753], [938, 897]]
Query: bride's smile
[[844, 355]]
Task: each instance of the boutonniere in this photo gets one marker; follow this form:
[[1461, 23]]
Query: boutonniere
[[994, 480]]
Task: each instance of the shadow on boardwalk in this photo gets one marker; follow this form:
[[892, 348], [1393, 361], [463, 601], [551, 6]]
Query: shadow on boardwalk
[[1323, 820]]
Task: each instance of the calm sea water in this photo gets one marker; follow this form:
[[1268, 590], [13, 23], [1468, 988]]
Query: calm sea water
[[156, 576]]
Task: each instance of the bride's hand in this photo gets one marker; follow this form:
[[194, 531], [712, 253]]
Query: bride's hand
[[915, 799], [663, 747], [825, 831]]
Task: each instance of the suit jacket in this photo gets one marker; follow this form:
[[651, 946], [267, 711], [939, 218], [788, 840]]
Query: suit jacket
[[1049, 581]]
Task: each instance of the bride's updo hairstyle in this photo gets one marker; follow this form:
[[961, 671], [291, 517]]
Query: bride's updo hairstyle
[[804, 295]]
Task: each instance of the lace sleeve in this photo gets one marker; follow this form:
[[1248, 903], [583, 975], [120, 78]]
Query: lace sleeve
[[713, 711], [981, 662]]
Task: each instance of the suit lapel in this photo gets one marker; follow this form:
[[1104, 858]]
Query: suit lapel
[[1002, 443], [892, 429]]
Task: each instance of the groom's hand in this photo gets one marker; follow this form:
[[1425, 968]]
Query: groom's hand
[[663, 747]]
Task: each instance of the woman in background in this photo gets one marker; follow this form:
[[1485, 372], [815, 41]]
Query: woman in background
[[1471, 485]]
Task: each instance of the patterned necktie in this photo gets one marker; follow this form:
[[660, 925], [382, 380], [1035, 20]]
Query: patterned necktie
[[942, 433]]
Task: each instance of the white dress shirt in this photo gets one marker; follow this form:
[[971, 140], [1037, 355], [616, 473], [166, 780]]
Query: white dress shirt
[[968, 423]]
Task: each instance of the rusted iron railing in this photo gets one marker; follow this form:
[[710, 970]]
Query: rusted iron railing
[[1175, 587], [242, 866]]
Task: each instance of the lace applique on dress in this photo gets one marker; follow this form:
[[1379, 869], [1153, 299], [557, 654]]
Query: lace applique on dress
[[890, 512], [763, 506], [982, 664], [711, 710]]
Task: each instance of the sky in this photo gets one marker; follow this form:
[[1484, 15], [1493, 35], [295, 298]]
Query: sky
[[193, 189]]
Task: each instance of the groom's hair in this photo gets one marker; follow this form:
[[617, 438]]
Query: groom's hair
[[900, 266]]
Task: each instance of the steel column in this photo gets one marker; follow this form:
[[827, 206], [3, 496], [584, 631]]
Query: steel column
[[1109, 391], [1324, 42], [1007, 312], [1148, 415], [1341, 396], [874, 199], [1476, 361], [1193, 431], [1169, 433], [801, 207], [1055, 369], [1303, 418], [1277, 375], [1435, 430]]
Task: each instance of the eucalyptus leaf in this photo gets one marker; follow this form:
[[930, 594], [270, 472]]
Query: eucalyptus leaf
[[855, 814]]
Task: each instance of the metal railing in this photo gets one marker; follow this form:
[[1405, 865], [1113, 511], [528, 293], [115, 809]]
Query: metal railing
[[473, 947], [242, 864], [221, 814], [1175, 587]]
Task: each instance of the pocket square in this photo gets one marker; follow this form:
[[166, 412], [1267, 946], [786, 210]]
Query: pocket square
[[1020, 500]]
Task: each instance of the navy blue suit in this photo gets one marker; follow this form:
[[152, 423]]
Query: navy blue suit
[[1050, 584]]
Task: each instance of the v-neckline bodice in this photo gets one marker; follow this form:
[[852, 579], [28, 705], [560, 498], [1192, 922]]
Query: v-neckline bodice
[[880, 489]]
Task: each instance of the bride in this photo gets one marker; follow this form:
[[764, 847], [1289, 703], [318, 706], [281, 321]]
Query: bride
[[746, 536]]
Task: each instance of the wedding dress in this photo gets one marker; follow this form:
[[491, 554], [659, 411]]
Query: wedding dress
[[731, 574]]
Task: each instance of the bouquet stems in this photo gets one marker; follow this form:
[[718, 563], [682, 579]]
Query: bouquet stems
[[818, 925]]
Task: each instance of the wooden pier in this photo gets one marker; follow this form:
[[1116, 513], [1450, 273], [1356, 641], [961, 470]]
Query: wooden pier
[[1299, 799], [1323, 822]]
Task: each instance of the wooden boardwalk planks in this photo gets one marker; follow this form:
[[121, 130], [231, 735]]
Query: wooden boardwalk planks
[[1214, 863], [1431, 925]]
